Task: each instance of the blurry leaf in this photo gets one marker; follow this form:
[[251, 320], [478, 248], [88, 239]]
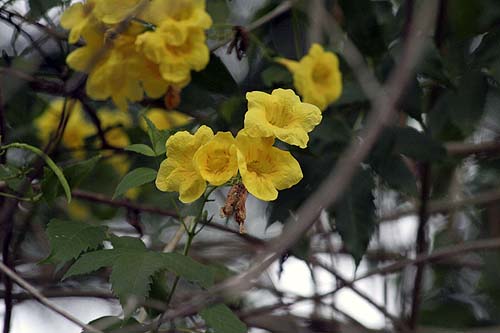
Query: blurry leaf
[[9, 172], [40, 7], [112, 323], [222, 320], [362, 26], [216, 78], [396, 174], [464, 16], [417, 145], [142, 149], [275, 76], [233, 109], [158, 137], [467, 106], [135, 178], [69, 239], [50, 163], [218, 11], [75, 173], [355, 215]]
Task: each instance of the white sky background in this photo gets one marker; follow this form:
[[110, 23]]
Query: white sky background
[[31, 317]]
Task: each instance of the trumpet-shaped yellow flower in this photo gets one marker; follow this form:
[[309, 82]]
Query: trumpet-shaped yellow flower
[[115, 11], [265, 169], [76, 18], [77, 128], [316, 76], [216, 161], [164, 120], [280, 115], [177, 49], [114, 123], [178, 172], [120, 72], [189, 12]]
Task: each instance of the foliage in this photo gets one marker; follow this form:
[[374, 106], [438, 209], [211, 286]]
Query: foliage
[[123, 123]]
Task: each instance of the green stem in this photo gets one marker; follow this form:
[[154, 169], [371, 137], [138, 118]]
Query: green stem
[[191, 234]]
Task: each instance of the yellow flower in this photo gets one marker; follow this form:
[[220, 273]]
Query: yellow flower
[[280, 115], [216, 160], [77, 128], [316, 76], [265, 169], [113, 123], [178, 172], [115, 11], [190, 12], [76, 18], [177, 49], [164, 120], [119, 71]]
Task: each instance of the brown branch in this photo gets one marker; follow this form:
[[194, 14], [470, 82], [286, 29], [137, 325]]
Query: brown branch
[[22, 296], [42, 299], [450, 251], [441, 206]]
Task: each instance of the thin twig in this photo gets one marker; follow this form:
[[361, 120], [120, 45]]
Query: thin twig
[[42, 299]]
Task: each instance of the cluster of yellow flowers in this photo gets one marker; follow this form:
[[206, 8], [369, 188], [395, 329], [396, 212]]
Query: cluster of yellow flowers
[[161, 42], [79, 128], [194, 160]]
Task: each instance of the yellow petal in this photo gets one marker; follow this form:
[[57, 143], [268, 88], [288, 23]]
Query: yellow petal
[[291, 65], [281, 115], [216, 160]]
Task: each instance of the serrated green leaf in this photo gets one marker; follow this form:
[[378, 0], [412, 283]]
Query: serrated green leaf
[[135, 178], [131, 274], [142, 149], [222, 320], [92, 261], [69, 239], [355, 215], [157, 137], [133, 267], [188, 269]]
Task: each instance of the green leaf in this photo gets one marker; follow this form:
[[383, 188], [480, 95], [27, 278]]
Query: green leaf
[[396, 174], [188, 269], [132, 272], [355, 215], [216, 78], [157, 137], [133, 266], [92, 261], [276, 75], [362, 26], [417, 145], [222, 320], [112, 323], [40, 7], [9, 172], [50, 163], [69, 239], [142, 149], [468, 104], [135, 178]]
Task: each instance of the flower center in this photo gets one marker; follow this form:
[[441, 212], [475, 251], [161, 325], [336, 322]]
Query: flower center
[[320, 73], [218, 162], [261, 166], [278, 115]]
